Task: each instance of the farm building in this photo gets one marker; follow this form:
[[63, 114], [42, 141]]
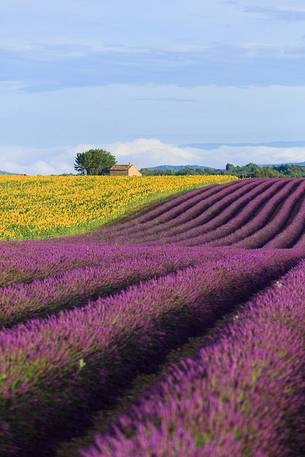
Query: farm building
[[124, 170]]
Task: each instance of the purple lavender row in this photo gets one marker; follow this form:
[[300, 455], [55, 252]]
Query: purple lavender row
[[51, 371], [300, 242], [239, 219], [253, 217], [279, 191], [221, 214], [259, 220], [195, 206], [197, 216], [277, 222], [74, 287], [26, 261], [191, 238], [243, 396], [294, 229]]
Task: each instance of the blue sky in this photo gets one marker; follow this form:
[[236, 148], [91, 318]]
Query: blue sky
[[155, 82]]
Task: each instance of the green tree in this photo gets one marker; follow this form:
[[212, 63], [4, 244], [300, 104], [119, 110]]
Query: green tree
[[268, 172], [230, 168], [94, 162]]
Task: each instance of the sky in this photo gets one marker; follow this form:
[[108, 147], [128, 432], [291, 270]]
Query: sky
[[155, 82]]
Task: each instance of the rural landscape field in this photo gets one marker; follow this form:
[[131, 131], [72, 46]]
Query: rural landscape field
[[155, 325], [152, 228]]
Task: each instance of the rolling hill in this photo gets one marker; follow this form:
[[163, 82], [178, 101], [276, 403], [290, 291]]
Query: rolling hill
[[251, 213]]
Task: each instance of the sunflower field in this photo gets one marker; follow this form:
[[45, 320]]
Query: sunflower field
[[39, 206]]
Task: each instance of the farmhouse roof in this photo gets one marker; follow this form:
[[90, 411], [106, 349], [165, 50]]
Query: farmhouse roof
[[121, 167]]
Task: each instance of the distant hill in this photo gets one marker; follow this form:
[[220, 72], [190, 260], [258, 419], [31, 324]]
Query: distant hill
[[178, 167], [199, 167]]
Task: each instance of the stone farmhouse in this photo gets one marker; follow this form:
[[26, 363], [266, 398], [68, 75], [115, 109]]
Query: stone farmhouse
[[124, 170]]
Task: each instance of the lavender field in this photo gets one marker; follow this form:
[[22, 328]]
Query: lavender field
[[85, 319]]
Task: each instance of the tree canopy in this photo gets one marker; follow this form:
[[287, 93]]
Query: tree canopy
[[94, 162]]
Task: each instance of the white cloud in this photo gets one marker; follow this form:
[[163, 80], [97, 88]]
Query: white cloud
[[148, 152], [144, 153], [34, 161], [257, 154]]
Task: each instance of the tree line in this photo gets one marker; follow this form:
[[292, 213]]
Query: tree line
[[251, 170]]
